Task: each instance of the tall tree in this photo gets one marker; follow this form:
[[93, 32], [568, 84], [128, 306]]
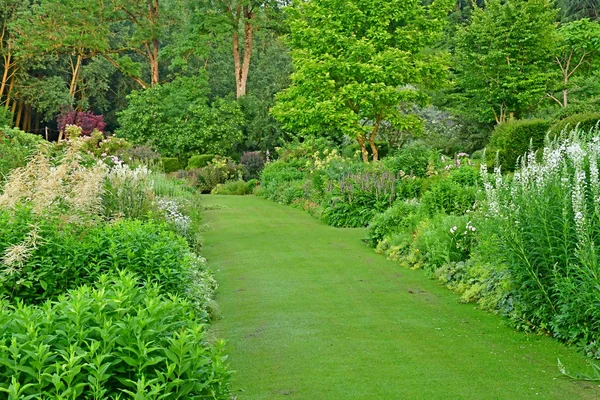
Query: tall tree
[[74, 29], [244, 17], [357, 62], [579, 45], [504, 58], [10, 12]]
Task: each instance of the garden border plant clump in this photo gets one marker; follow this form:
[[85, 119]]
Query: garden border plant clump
[[103, 293]]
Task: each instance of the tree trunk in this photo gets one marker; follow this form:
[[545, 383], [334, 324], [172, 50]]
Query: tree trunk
[[372, 140], [10, 89], [36, 127], [19, 114], [27, 119], [75, 76], [237, 64], [5, 76], [363, 148], [242, 61], [154, 62]]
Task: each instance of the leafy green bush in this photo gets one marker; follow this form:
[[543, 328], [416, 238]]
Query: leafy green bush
[[106, 342], [355, 198], [512, 139], [45, 261], [448, 196], [401, 216], [5, 117], [15, 148], [235, 188], [412, 160], [170, 164], [199, 160], [178, 118], [279, 174], [584, 122], [219, 170], [443, 239]]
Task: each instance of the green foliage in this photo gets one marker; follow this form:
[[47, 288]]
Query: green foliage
[[128, 193], [5, 117], [401, 216], [64, 257], [15, 148], [102, 342], [578, 51], [412, 160], [585, 122], [353, 150], [512, 139], [279, 174], [546, 226], [219, 170], [177, 119], [199, 160], [355, 62], [235, 188], [449, 197], [355, 198], [170, 164], [504, 58]]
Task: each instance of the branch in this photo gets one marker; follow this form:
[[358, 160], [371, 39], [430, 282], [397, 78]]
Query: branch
[[143, 84], [578, 65], [550, 95]]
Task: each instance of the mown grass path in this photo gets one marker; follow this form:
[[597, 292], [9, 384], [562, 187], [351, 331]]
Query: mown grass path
[[310, 312]]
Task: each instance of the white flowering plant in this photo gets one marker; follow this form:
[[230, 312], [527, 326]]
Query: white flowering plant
[[548, 224]]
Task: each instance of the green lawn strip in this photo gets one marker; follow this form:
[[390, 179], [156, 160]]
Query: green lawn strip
[[309, 312]]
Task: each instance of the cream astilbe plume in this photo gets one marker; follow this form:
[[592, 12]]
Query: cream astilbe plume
[[15, 256], [69, 186]]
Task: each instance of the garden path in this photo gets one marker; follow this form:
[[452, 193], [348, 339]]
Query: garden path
[[310, 312]]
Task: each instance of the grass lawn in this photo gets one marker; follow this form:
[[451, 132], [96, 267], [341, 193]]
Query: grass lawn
[[310, 312]]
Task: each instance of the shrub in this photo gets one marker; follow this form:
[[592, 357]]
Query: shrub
[[199, 161], [142, 154], [109, 341], [6, 118], [87, 121], [253, 163], [219, 170], [446, 195], [281, 173], [44, 261], [443, 239], [584, 122], [357, 197], [15, 148], [236, 188], [412, 160], [170, 164], [401, 216], [512, 139]]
